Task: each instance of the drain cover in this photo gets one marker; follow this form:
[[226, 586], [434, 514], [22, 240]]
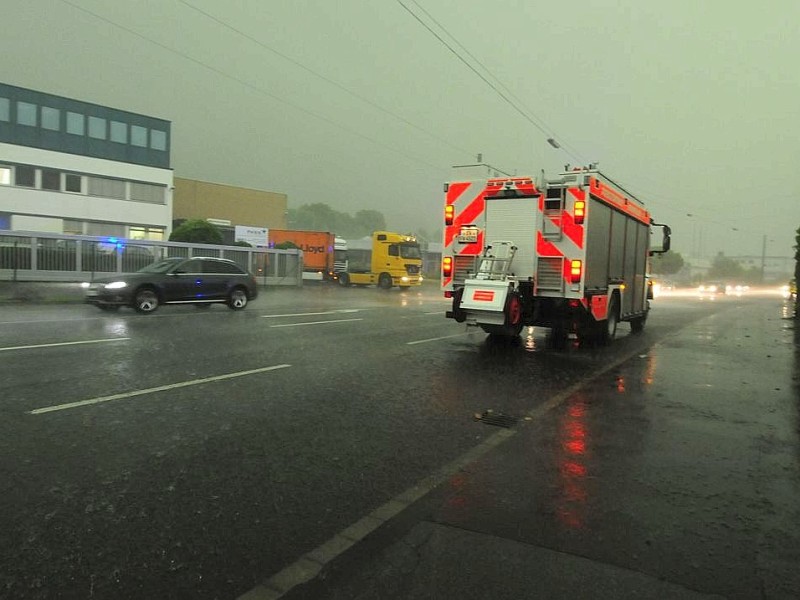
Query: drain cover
[[497, 419]]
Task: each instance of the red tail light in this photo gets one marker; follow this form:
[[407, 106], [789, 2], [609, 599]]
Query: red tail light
[[575, 271], [449, 214], [447, 266], [580, 211]]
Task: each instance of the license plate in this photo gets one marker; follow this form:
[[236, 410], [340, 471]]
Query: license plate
[[468, 235]]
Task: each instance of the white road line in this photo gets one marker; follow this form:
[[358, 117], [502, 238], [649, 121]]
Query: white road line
[[118, 339], [438, 312], [161, 388], [308, 566], [436, 339], [313, 314], [316, 323]]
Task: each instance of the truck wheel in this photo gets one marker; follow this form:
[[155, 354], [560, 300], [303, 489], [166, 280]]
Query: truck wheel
[[609, 326], [385, 281], [344, 280]]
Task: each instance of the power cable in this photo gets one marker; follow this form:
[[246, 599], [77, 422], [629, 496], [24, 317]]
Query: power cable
[[323, 77], [549, 131], [254, 88], [541, 127]]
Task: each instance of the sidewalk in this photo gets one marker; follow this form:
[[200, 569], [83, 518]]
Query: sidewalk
[[675, 475]]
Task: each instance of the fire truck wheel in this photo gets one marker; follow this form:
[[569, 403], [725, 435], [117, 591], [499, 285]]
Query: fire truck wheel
[[385, 281], [344, 279], [609, 331]]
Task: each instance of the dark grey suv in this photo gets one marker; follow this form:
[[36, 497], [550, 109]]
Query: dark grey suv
[[201, 281]]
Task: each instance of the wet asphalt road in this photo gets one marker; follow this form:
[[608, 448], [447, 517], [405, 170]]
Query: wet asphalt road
[[337, 400]]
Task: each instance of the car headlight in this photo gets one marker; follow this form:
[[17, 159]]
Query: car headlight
[[85, 285], [115, 285]]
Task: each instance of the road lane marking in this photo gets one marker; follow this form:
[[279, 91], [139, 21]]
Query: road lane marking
[[308, 566], [160, 388], [436, 339], [53, 345], [313, 314], [438, 312], [316, 323]]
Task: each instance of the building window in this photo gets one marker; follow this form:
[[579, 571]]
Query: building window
[[51, 118], [147, 192], [76, 123], [158, 139], [25, 176], [119, 132], [107, 188], [73, 183], [146, 233], [5, 110], [51, 180], [5, 175], [139, 136], [105, 229], [97, 128], [26, 114], [73, 227]]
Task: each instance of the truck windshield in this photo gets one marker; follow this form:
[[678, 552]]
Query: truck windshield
[[410, 250]]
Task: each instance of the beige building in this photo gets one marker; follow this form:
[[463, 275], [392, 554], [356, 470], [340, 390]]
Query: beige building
[[194, 199]]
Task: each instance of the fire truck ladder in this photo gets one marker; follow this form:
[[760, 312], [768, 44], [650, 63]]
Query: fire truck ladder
[[495, 262]]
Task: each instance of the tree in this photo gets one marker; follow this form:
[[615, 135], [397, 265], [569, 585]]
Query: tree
[[725, 268], [368, 221], [196, 231], [287, 245], [668, 263], [321, 217]]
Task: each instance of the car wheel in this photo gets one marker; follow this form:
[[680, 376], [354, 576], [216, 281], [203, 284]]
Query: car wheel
[[237, 299], [145, 300]]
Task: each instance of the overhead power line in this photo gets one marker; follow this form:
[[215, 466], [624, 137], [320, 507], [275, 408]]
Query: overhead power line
[[499, 88], [326, 79], [254, 88]]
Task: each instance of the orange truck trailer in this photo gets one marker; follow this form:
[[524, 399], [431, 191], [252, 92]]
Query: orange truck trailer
[[324, 254]]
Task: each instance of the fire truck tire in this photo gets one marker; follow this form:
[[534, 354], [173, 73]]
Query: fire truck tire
[[385, 281], [344, 279], [609, 326]]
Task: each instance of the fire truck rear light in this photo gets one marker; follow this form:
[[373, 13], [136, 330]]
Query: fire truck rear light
[[580, 211], [447, 266], [575, 271], [448, 294], [449, 214]]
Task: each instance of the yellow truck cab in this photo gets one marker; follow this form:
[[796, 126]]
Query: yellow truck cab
[[394, 259]]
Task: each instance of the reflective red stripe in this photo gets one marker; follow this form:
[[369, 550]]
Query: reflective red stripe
[[483, 296]]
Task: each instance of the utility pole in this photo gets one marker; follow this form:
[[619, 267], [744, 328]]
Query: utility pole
[[763, 255]]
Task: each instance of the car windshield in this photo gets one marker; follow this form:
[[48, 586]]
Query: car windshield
[[161, 266]]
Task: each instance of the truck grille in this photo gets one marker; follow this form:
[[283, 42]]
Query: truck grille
[[412, 269], [549, 274]]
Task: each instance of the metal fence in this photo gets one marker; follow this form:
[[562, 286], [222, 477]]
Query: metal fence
[[26, 256]]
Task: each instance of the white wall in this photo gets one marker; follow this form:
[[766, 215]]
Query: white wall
[[25, 201]]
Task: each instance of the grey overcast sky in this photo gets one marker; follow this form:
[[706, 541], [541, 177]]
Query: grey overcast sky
[[691, 104]]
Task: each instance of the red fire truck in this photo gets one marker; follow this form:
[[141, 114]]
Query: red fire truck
[[569, 253]]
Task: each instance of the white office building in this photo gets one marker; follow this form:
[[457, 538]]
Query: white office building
[[68, 166]]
